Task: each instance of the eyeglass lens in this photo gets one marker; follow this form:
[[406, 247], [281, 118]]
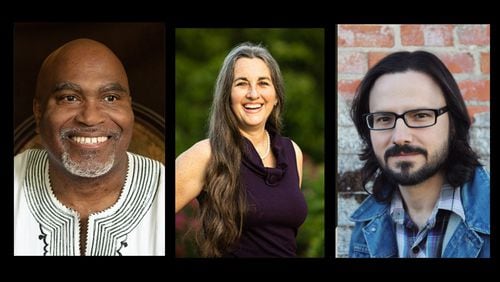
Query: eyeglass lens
[[416, 118]]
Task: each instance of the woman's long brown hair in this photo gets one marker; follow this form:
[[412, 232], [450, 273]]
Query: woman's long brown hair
[[223, 204]]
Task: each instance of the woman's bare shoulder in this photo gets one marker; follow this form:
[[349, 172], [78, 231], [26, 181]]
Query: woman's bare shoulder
[[201, 150]]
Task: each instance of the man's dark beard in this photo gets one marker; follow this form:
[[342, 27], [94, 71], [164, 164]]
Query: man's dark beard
[[406, 178]]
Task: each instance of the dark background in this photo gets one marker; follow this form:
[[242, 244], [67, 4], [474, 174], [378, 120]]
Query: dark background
[[38, 37], [140, 47]]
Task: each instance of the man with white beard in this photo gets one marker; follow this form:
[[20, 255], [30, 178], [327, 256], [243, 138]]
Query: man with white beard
[[84, 194]]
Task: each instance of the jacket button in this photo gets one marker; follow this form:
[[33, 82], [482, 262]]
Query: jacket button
[[415, 250], [373, 229]]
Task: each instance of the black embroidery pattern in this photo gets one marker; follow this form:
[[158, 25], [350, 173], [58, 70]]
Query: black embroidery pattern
[[43, 237], [123, 244], [59, 225]]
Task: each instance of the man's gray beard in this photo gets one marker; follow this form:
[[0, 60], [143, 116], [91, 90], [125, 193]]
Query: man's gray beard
[[88, 168]]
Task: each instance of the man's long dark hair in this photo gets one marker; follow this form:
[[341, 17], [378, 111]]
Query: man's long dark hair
[[461, 161]]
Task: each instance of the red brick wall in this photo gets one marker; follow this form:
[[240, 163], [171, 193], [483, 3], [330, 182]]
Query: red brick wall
[[465, 49]]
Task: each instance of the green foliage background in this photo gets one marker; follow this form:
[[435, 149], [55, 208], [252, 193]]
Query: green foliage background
[[300, 54]]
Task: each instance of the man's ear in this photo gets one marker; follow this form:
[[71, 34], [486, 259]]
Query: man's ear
[[37, 112]]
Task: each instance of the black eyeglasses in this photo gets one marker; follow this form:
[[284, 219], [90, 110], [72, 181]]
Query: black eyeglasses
[[418, 118]]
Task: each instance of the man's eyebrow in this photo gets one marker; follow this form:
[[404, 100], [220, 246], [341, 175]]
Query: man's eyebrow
[[66, 86], [113, 87]]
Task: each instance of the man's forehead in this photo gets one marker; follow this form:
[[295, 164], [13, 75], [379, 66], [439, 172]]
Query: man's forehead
[[81, 65], [85, 75], [405, 90]]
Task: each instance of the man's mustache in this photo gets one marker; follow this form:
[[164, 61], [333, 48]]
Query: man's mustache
[[407, 149]]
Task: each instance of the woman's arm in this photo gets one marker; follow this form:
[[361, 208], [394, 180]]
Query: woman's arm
[[298, 156], [190, 168]]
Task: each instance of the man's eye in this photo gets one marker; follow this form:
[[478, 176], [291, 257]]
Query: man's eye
[[383, 119], [421, 115], [69, 98], [110, 98]]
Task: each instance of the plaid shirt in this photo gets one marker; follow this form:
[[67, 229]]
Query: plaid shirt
[[427, 242]]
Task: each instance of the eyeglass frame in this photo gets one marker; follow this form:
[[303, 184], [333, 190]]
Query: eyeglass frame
[[437, 113]]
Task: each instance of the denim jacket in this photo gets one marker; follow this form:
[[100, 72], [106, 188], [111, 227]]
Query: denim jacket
[[374, 234]]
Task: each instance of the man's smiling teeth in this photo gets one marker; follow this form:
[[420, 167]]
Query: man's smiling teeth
[[253, 106], [89, 140]]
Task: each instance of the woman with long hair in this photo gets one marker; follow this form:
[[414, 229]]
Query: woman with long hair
[[245, 176]]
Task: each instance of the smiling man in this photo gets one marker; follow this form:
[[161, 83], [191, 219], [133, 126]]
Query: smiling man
[[431, 196], [84, 194]]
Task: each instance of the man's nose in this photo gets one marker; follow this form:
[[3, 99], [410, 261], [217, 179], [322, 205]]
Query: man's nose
[[401, 133], [90, 113]]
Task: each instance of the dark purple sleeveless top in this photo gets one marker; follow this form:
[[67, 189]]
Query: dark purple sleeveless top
[[276, 205]]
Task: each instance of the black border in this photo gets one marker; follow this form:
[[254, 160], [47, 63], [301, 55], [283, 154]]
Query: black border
[[329, 264]]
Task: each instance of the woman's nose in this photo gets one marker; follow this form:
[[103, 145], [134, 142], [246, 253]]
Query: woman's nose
[[252, 93]]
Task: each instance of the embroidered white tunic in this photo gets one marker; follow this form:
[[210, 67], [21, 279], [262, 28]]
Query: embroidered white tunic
[[134, 225]]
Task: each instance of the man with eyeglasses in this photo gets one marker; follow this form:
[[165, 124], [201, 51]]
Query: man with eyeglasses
[[430, 195]]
